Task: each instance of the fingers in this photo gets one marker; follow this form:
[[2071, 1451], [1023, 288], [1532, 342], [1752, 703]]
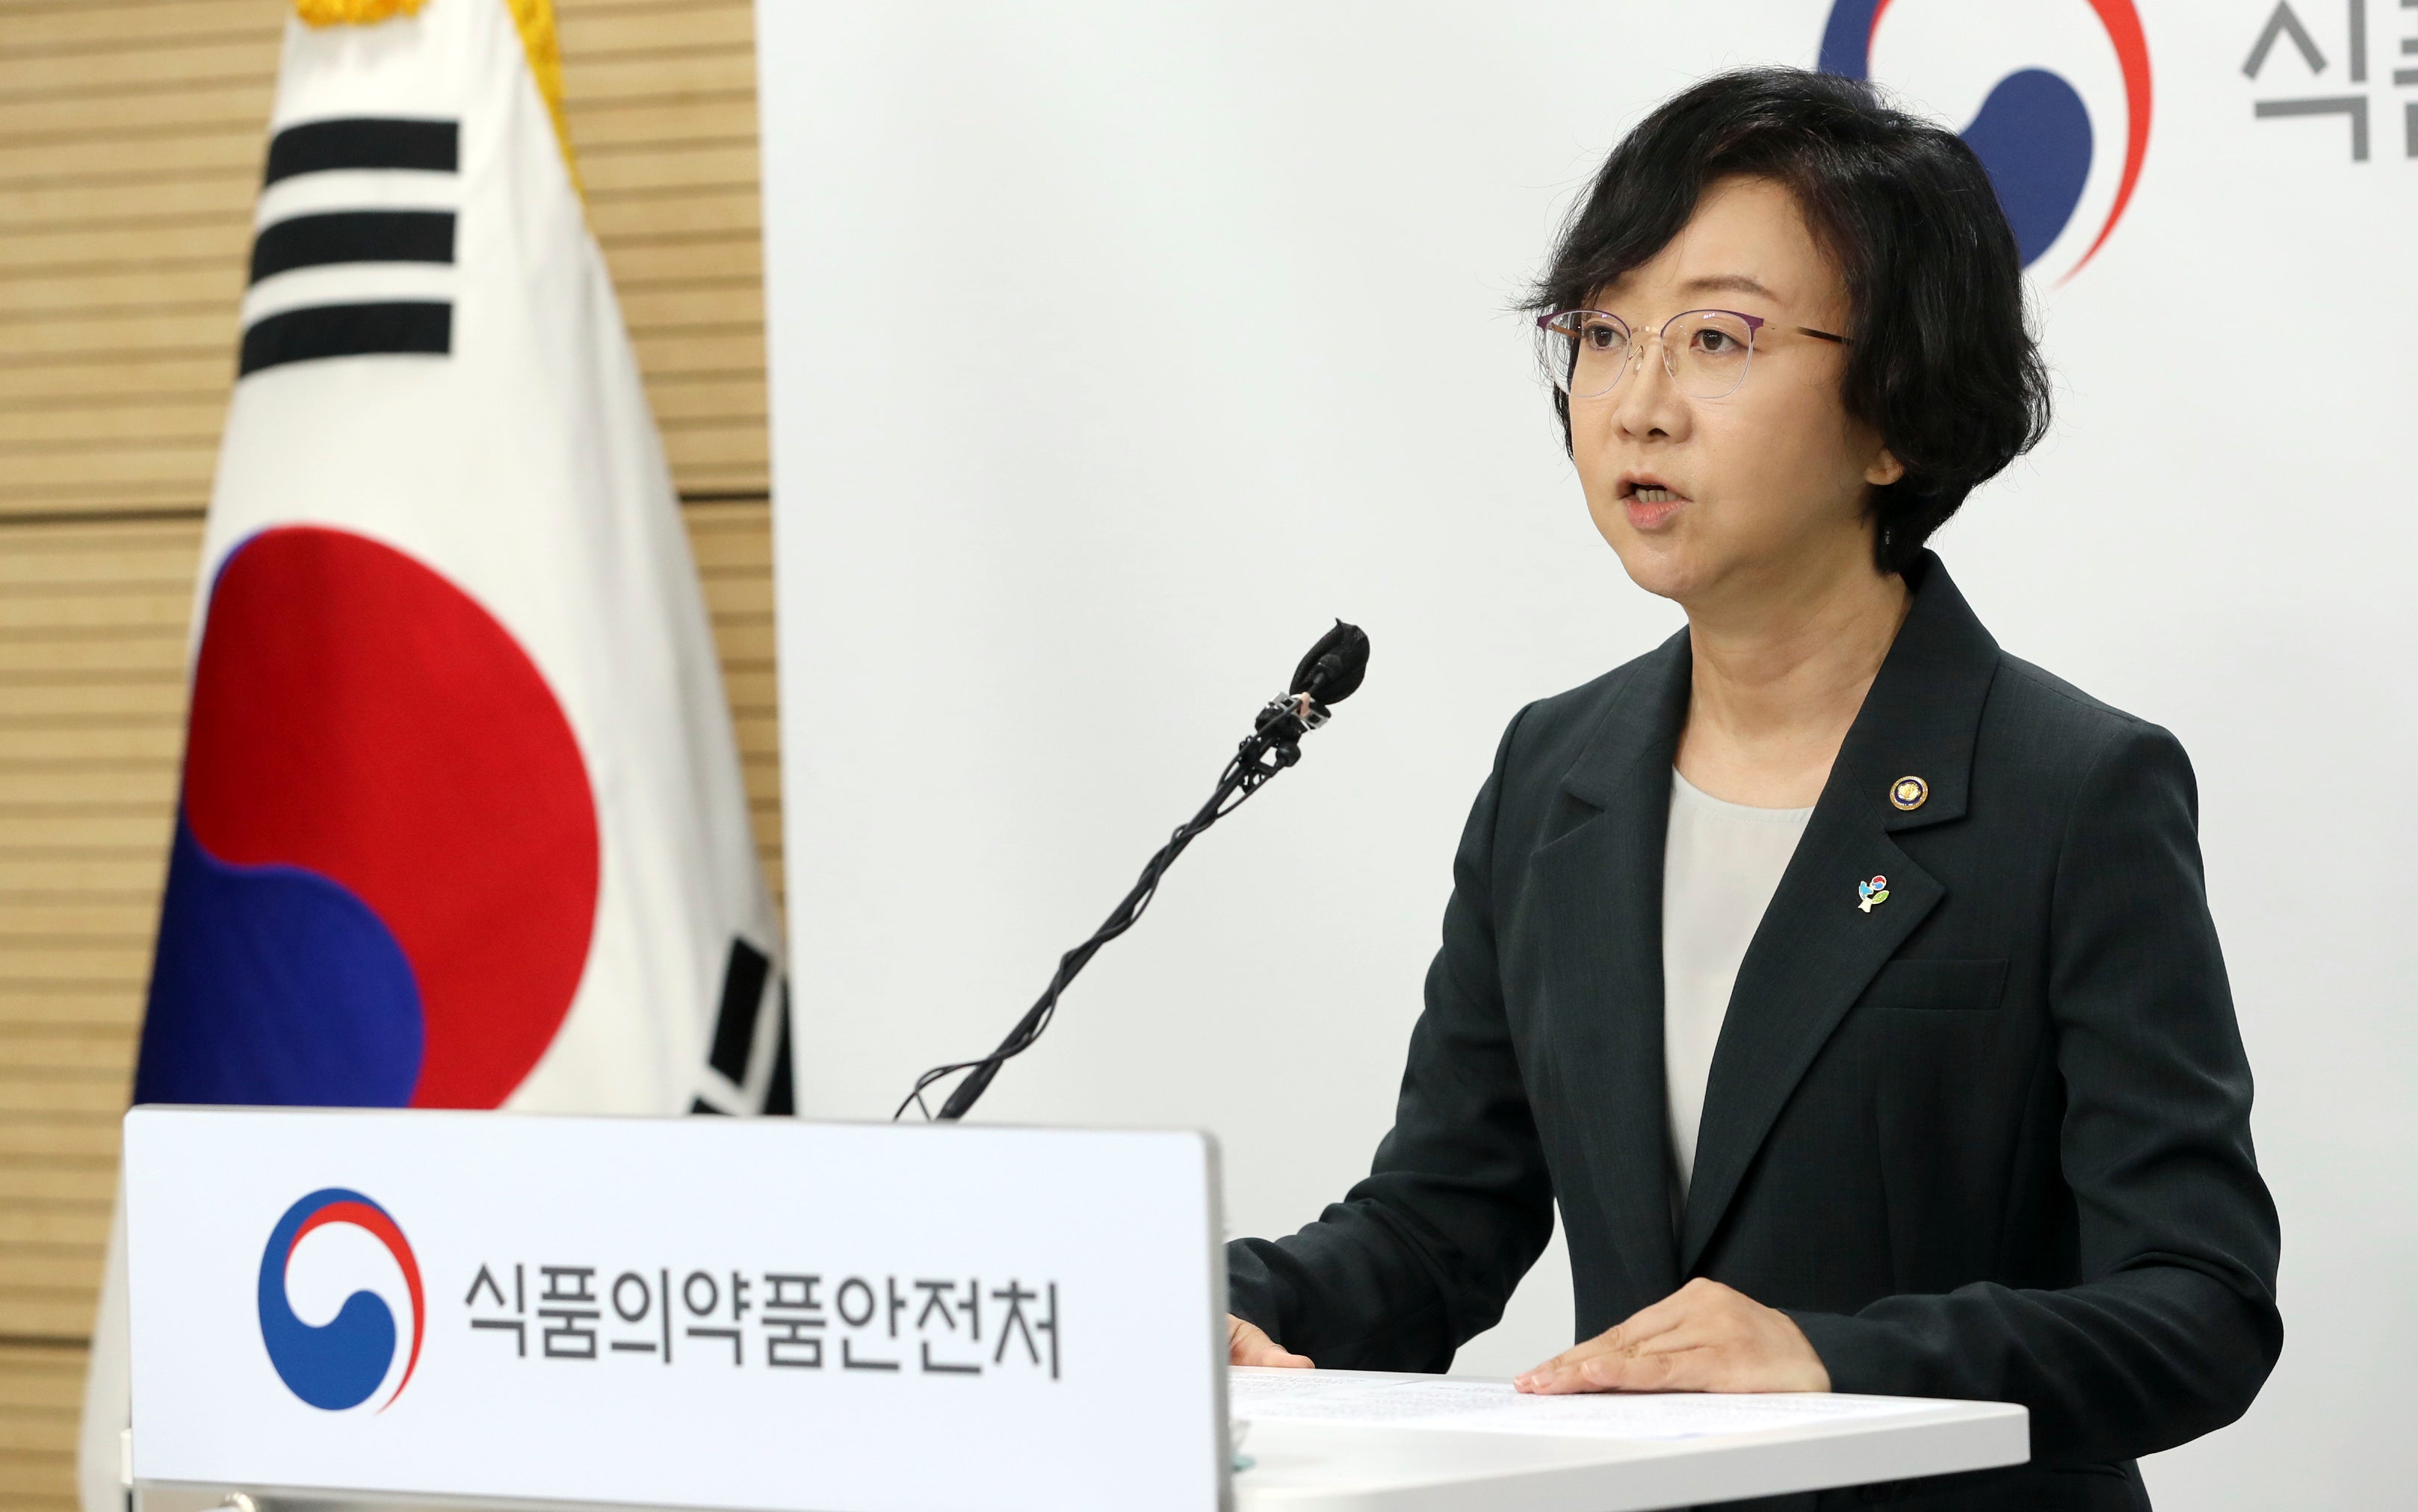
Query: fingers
[[1247, 1343], [1677, 1359], [1673, 1367], [1646, 1331], [1704, 1336]]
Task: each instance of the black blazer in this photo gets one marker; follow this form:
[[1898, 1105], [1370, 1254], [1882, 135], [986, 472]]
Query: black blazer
[[1989, 1139]]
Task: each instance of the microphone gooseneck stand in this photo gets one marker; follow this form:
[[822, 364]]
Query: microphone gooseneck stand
[[1329, 674]]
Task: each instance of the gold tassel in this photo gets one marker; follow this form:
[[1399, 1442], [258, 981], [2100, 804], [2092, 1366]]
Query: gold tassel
[[533, 18], [354, 12]]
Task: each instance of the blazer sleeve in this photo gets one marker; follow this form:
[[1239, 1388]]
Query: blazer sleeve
[[2174, 1327], [1422, 1255]]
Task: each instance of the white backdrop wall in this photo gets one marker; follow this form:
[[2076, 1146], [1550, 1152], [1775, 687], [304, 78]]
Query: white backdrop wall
[[1117, 347]]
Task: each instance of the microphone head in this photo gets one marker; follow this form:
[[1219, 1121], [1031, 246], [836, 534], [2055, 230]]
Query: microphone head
[[1334, 667]]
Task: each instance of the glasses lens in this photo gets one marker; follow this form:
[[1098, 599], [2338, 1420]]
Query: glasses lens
[[1587, 352], [1708, 351]]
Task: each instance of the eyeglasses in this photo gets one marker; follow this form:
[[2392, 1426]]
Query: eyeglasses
[[1706, 352]]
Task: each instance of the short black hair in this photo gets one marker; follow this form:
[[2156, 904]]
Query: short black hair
[[1942, 361]]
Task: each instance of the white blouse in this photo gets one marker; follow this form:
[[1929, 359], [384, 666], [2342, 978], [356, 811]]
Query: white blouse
[[1720, 866]]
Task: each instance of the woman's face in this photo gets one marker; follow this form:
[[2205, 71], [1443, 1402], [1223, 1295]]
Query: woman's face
[[1703, 497]]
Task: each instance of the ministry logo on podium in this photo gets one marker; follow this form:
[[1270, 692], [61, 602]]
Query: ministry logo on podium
[[2034, 130], [339, 1364]]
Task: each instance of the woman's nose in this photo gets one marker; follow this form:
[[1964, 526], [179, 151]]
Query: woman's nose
[[1647, 400]]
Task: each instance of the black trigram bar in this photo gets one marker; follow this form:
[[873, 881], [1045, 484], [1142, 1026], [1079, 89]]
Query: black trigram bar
[[353, 236], [743, 1000], [314, 332], [781, 1094], [366, 142]]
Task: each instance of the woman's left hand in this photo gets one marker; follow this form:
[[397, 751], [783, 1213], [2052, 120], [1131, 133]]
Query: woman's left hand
[[1704, 1336]]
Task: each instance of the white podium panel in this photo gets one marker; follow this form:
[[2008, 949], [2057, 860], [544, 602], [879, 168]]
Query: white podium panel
[[1348, 1441], [729, 1313], [354, 1309]]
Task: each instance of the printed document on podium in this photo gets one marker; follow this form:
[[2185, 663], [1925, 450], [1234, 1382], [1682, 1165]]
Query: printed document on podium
[[1452, 1403]]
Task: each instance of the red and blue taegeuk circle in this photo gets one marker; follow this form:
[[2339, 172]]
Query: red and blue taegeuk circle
[[384, 876]]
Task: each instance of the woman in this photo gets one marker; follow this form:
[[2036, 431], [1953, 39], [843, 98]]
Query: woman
[[1848, 983]]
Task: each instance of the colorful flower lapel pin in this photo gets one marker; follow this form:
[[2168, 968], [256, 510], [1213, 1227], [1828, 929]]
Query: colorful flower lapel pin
[[1876, 891]]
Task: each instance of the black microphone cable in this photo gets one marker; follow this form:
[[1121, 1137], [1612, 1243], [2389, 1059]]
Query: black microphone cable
[[1330, 673]]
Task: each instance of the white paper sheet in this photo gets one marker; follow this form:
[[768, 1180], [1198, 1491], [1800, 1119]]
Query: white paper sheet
[[1494, 1407]]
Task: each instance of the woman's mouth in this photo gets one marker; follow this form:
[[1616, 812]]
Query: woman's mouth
[[1651, 507]]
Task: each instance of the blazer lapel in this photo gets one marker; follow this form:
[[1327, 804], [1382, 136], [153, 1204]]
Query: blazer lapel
[[1817, 947], [1598, 882]]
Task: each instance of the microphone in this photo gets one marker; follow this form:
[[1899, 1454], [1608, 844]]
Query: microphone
[[1334, 667], [1330, 673]]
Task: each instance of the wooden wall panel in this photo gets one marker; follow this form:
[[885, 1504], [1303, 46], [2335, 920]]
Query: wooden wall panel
[[130, 142], [132, 133], [41, 1388], [92, 651]]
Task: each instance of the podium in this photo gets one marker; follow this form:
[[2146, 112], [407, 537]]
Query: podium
[[372, 1308], [1385, 1449]]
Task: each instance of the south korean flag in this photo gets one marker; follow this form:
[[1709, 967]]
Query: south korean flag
[[462, 821]]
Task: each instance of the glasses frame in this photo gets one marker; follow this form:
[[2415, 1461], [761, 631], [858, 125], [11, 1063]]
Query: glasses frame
[[1754, 325]]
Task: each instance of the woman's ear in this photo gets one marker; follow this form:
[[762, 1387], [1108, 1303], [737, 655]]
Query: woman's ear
[[1885, 469]]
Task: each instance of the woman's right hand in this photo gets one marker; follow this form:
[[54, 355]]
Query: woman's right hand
[[1247, 1344]]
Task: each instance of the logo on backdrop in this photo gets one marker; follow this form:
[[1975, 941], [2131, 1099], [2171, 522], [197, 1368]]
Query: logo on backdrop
[[2034, 133], [338, 1364]]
